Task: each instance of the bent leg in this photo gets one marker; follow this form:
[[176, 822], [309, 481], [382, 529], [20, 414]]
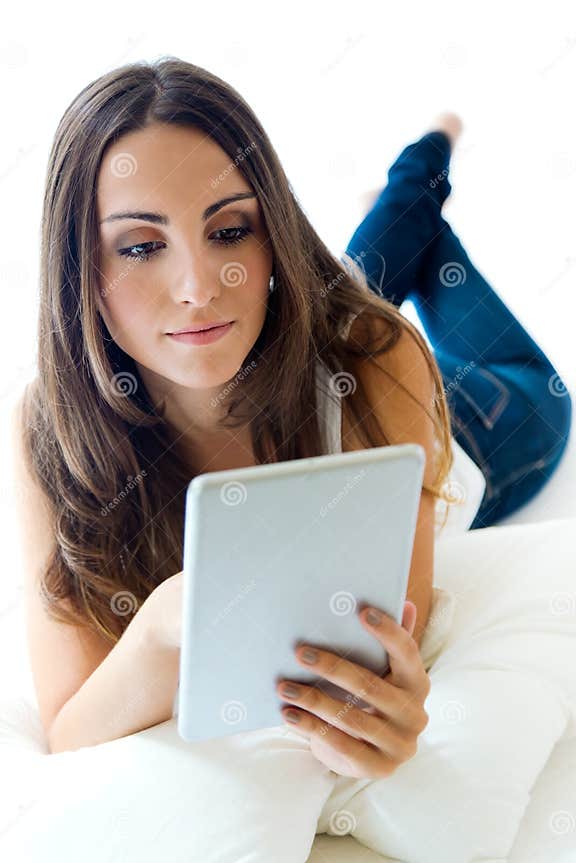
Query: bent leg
[[503, 694], [512, 413], [390, 241]]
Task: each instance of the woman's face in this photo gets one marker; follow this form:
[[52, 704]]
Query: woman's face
[[191, 276]]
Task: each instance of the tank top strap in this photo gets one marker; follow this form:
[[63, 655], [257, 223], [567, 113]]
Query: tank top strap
[[329, 406]]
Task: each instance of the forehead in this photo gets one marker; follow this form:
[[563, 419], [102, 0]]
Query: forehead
[[163, 163]]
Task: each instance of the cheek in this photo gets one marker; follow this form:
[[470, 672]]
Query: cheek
[[127, 311]]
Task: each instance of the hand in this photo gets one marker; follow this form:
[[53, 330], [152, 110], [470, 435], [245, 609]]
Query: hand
[[366, 742]]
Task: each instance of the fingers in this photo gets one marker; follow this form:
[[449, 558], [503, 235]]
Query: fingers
[[402, 707], [403, 653]]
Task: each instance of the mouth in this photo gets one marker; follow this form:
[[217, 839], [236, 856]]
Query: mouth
[[213, 326], [202, 337]]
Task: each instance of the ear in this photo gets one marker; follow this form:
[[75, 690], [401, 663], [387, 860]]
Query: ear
[[99, 301], [101, 306]]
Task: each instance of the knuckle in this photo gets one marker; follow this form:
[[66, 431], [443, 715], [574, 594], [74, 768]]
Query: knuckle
[[405, 747], [419, 719], [410, 750], [404, 704], [411, 644], [371, 685], [359, 721], [389, 767], [311, 697]]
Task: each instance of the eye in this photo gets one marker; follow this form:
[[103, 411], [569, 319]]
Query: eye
[[128, 252], [139, 256], [229, 241]]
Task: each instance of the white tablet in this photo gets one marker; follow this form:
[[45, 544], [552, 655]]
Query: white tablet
[[281, 554]]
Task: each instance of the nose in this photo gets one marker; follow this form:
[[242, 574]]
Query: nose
[[194, 281]]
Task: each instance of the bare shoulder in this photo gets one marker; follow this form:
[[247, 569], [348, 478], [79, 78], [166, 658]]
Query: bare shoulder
[[405, 360], [400, 387]]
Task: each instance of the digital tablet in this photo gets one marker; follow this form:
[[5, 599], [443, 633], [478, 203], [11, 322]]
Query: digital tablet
[[278, 555]]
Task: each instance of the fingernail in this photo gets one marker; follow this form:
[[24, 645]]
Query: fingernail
[[290, 690], [373, 617], [309, 656], [291, 716]]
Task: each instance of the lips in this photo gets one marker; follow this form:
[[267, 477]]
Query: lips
[[202, 329]]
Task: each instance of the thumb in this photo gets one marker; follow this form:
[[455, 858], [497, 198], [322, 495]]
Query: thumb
[[409, 616]]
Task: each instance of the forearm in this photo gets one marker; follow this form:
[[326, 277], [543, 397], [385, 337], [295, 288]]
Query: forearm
[[133, 688]]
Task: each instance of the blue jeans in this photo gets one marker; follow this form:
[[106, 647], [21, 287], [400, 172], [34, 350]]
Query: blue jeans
[[510, 410]]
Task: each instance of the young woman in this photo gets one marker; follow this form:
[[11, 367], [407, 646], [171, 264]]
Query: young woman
[[166, 208]]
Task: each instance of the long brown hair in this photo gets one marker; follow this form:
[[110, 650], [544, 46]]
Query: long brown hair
[[109, 464]]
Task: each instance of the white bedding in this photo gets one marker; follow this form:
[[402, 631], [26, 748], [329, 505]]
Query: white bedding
[[500, 648]]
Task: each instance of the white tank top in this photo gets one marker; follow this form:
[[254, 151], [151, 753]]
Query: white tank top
[[465, 480]]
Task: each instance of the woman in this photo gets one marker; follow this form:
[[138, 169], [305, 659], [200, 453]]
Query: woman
[[138, 243]]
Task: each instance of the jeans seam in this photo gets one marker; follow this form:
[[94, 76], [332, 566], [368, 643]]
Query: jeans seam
[[520, 473], [489, 420]]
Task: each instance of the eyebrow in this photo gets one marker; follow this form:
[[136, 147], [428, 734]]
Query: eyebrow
[[161, 219]]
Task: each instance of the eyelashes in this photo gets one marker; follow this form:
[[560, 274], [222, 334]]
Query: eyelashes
[[127, 252]]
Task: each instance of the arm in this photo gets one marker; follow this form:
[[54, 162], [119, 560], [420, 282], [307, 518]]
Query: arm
[[132, 689], [404, 421], [87, 692]]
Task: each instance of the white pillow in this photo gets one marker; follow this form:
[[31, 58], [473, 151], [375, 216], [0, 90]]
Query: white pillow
[[503, 695], [502, 626]]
